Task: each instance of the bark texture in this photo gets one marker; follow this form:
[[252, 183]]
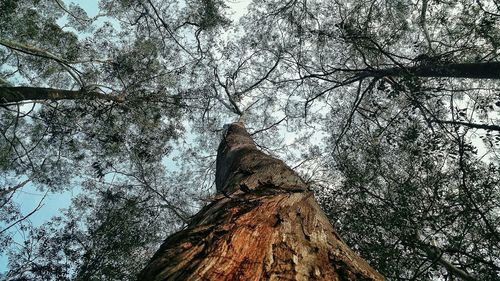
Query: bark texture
[[18, 94], [265, 225]]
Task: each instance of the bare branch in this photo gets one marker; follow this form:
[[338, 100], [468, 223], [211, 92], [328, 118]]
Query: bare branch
[[269, 127], [257, 83], [468, 124], [234, 107], [13, 95], [27, 216], [8, 190]]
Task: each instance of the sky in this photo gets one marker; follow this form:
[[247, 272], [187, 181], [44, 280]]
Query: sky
[[29, 197]]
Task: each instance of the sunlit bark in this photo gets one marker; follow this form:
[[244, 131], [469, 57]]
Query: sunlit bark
[[264, 225]]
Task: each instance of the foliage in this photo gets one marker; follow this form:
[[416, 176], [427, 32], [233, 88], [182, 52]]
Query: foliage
[[405, 164]]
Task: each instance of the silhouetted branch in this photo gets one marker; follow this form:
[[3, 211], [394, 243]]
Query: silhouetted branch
[[470, 125], [25, 217], [9, 95]]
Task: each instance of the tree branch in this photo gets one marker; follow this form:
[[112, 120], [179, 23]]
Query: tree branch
[[13, 188], [34, 51], [484, 70], [9, 95], [470, 125], [434, 252], [27, 216], [261, 79], [423, 24]]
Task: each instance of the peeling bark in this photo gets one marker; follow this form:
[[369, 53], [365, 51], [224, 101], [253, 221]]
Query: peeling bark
[[265, 225]]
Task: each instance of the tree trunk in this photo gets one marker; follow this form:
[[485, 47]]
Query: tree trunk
[[264, 225], [19, 94]]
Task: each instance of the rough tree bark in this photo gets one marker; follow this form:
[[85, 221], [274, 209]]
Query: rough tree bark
[[264, 225]]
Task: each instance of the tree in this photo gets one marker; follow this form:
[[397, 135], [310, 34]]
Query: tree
[[382, 105], [263, 224], [398, 146], [91, 109], [76, 118]]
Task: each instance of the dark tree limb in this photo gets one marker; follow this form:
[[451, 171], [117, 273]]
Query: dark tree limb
[[262, 79], [470, 125], [14, 95], [40, 205], [269, 127], [484, 70], [234, 106]]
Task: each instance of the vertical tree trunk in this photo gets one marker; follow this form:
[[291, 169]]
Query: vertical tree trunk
[[263, 225]]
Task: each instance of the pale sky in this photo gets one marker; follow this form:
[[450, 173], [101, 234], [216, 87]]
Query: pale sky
[[29, 197]]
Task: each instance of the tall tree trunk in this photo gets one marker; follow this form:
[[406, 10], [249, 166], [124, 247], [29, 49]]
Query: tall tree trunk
[[19, 94], [264, 225]]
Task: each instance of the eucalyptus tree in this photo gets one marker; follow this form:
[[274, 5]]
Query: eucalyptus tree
[[405, 90], [92, 104], [427, 200], [263, 224], [367, 83]]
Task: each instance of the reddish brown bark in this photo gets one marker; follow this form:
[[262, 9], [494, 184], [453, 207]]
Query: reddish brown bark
[[266, 226]]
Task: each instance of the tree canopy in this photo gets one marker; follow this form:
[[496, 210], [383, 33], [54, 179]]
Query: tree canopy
[[390, 109]]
